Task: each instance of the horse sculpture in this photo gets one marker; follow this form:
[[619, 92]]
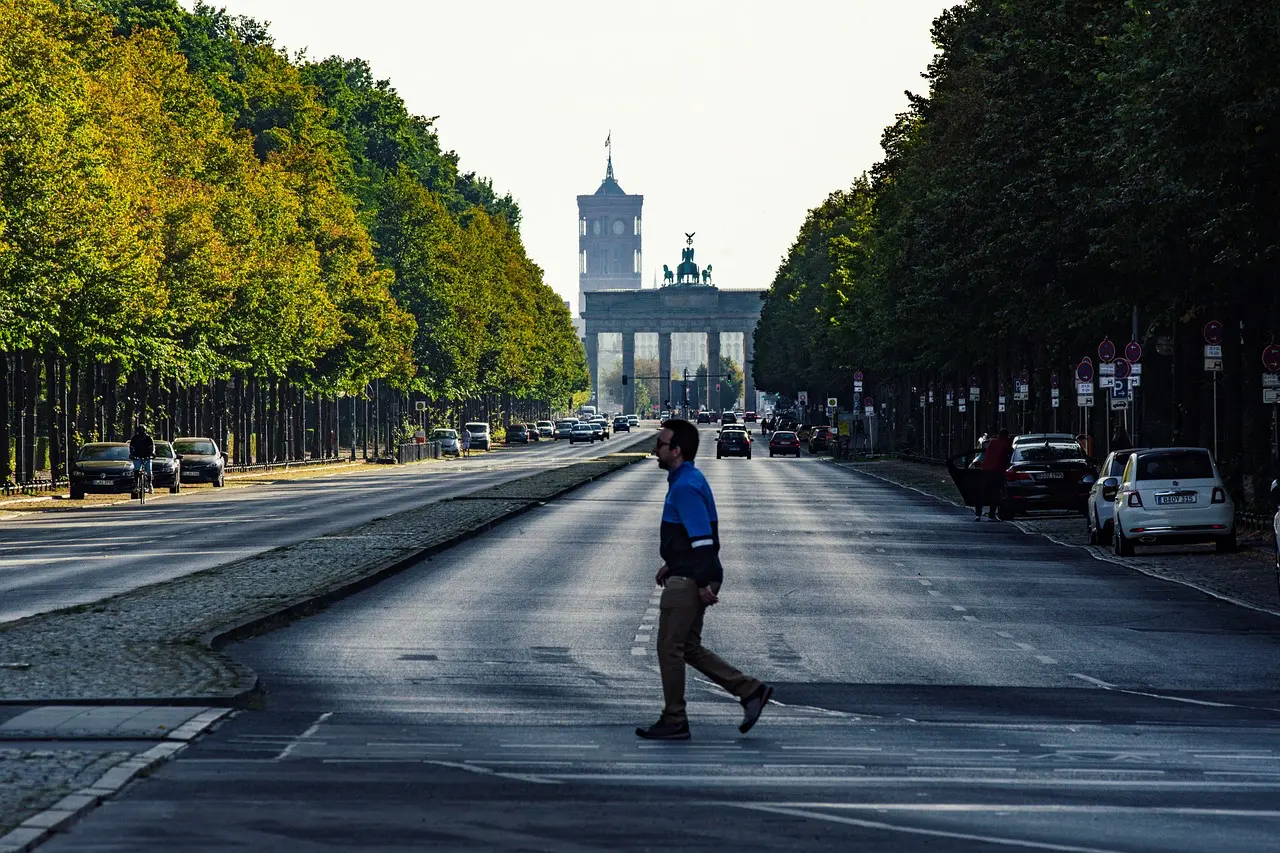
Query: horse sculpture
[[706, 275], [668, 277]]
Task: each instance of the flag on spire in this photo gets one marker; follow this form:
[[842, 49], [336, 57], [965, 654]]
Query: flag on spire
[[608, 140]]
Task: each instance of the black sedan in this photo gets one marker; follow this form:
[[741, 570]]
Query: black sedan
[[101, 467], [200, 459], [1049, 475], [621, 424], [165, 467], [733, 442]]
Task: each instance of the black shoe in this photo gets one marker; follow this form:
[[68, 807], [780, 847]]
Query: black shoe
[[753, 705], [662, 730]]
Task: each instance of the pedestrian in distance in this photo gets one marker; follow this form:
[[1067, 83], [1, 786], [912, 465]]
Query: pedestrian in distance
[[995, 461], [1120, 439], [466, 442], [690, 576]]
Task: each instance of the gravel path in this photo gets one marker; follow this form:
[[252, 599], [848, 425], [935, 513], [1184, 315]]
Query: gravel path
[[1247, 577], [33, 780]]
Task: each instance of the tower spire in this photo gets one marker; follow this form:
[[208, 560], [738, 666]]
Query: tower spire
[[608, 144]]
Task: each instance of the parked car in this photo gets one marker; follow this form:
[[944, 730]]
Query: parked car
[[1172, 495], [1042, 437], [480, 436], [101, 467], [621, 424], [749, 418], [1049, 475], [804, 431], [516, 434], [819, 439], [584, 431], [201, 460], [546, 429], [165, 467], [564, 428], [704, 417], [448, 441], [1275, 523], [1099, 517], [733, 442], [784, 441]]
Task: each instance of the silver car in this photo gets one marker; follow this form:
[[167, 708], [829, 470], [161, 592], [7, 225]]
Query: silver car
[[448, 440], [479, 435], [1275, 523], [1100, 511]]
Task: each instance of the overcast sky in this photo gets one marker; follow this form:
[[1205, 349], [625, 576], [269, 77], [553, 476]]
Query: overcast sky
[[732, 119]]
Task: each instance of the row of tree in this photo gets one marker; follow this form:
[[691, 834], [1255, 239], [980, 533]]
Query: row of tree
[[199, 231], [1075, 170]]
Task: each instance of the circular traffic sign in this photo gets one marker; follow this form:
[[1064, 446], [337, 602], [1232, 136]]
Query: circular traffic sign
[[1084, 371], [1133, 351], [857, 376], [1123, 368], [1106, 350], [1213, 332], [868, 402], [973, 381], [1053, 379], [1271, 357], [1024, 376], [1001, 386]]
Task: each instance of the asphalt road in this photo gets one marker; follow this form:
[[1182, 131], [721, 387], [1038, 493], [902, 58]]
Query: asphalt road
[[941, 685], [59, 559]]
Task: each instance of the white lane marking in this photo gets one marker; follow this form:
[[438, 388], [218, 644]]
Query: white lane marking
[[1004, 634], [1096, 682], [968, 618], [924, 582], [638, 651], [879, 550], [549, 746], [914, 830], [1026, 647], [1030, 808], [485, 771], [640, 638], [296, 742], [1104, 685], [413, 743], [1045, 659], [934, 592], [958, 608], [836, 748]]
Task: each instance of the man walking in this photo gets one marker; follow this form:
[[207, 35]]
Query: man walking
[[691, 575], [995, 461]]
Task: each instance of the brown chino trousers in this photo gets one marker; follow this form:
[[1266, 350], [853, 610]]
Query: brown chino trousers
[[680, 642]]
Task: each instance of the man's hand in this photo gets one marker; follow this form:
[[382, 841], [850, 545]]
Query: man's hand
[[661, 577], [707, 596]]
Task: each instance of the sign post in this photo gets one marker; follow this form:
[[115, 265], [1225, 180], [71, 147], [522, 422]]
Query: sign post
[[1213, 332], [869, 409], [1271, 383], [1084, 392]]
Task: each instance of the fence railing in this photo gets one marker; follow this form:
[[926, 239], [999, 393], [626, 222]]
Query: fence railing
[[34, 487], [414, 452]]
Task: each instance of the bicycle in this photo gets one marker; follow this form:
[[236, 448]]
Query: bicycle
[[141, 484]]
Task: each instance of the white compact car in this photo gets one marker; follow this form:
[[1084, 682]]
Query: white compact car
[[1098, 516], [1275, 499], [1172, 495]]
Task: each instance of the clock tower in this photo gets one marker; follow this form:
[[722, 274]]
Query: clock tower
[[608, 239]]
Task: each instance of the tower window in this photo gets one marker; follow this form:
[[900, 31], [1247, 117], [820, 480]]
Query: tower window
[[582, 226], [636, 225], [582, 262], [635, 261]]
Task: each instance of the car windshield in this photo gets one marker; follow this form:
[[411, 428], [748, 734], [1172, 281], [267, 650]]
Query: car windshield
[[438, 434], [1175, 465], [565, 423], [196, 446], [1048, 453], [787, 435], [103, 453], [475, 428], [164, 450], [1117, 464]]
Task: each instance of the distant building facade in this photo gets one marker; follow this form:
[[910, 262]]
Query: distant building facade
[[609, 234]]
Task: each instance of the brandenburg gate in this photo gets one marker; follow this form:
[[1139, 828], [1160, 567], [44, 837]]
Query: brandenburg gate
[[686, 302]]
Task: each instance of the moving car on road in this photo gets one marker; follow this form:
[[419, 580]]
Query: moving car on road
[[632, 420], [101, 467], [546, 429], [584, 431], [1172, 495], [564, 428], [1049, 475], [480, 437], [733, 442], [704, 418], [784, 441], [201, 460], [727, 418], [621, 424], [448, 441], [603, 423], [1099, 516], [749, 418]]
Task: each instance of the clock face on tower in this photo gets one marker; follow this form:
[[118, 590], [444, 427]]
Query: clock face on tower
[[618, 227], [595, 227]]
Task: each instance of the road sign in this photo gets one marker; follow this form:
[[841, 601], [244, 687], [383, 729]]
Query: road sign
[[1083, 388], [857, 376], [1271, 357], [420, 405], [1108, 369], [951, 399], [1120, 388], [1001, 404], [1271, 380], [1053, 379], [832, 402], [1106, 350], [857, 388], [1133, 351], [1119, 403], [868, 402], [1084, 371], [961, 405], [1213, 351], [1123, 368], [930, 395], [802, 397], [1084, 401], [1271, 396], [420, 436], [1213, 365], [1213, 332]]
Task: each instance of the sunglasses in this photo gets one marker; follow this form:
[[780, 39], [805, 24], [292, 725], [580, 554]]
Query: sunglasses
[[662, 443]]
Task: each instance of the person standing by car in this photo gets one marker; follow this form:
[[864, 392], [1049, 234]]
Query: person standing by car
[[691, 575], [995, 461], [141, 451], [466, 442], [1120, 439]]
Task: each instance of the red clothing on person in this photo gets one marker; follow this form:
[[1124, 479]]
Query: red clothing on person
[[998, 454]]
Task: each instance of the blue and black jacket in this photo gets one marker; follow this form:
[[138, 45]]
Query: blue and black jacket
[[690, 527]]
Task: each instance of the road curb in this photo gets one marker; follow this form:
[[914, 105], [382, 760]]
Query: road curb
[[1092, 550], [41, 826]]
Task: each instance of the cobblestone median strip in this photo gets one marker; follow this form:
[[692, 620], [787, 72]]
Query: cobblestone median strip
[[1246, 578], [155, 645]]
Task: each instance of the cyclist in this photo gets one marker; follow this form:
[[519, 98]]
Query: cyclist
[[141, 450]]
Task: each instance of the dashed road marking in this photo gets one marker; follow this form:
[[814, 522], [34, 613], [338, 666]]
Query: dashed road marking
[[958, 608], [934, 592], [1045, 659]]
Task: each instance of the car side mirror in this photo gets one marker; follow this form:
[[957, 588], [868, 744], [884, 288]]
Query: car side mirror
[[1109, 488], [1088, 479], [178, 456], [1275, 492]]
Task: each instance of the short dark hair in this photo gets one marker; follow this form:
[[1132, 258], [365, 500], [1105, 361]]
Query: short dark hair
[[1004, 433], [684, 435]]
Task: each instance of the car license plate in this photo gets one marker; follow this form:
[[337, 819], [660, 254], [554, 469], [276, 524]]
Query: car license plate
[[102, 482], [1175, 499], [1050, 475]]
